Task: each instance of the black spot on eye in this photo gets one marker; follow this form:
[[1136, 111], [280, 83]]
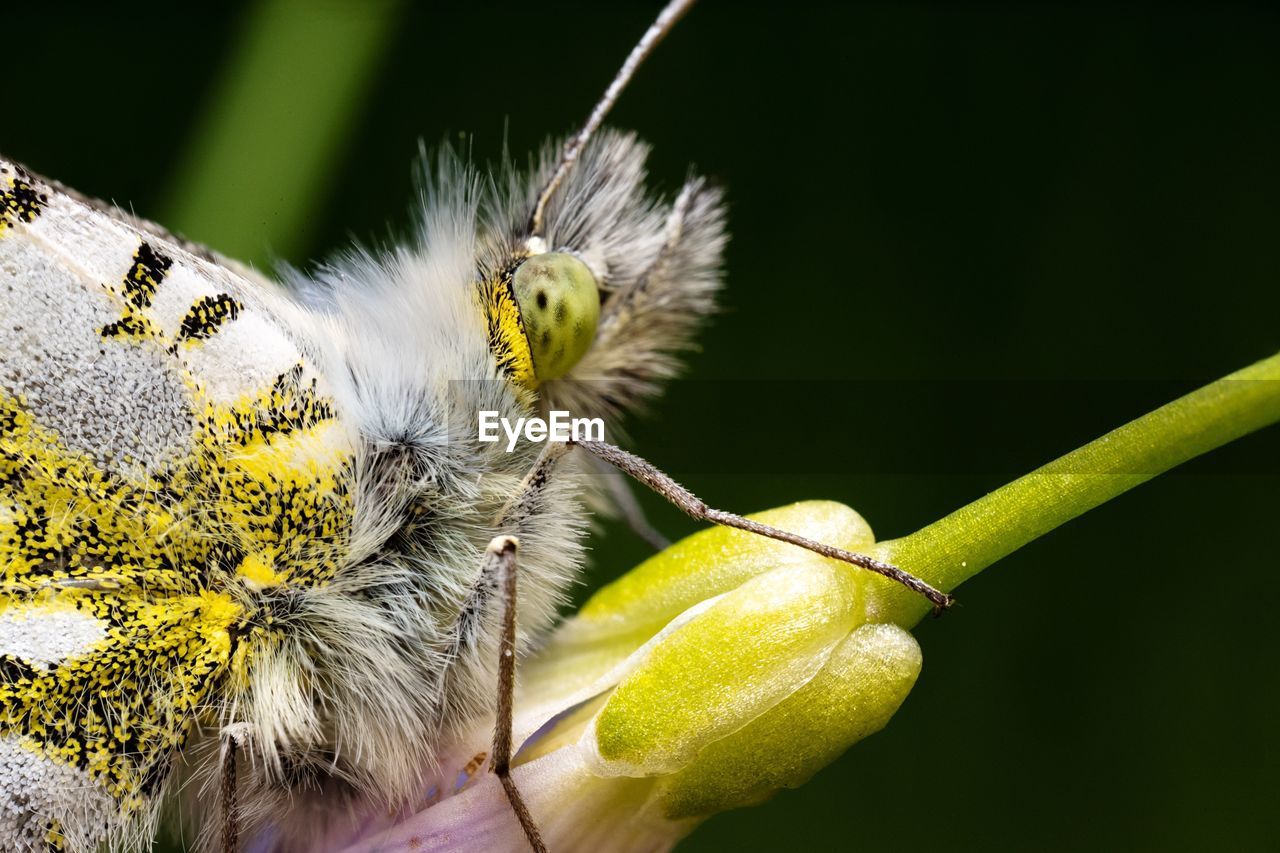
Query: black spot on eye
[[542, 299]]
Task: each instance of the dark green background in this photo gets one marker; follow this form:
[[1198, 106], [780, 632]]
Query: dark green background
[[983, 234]]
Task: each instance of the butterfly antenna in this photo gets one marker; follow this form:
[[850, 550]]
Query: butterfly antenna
[[658, 30]]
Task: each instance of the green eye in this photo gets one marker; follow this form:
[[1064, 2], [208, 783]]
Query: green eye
[[559, 306]]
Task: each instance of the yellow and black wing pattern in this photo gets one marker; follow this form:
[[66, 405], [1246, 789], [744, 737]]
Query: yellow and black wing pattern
[[168, 452]]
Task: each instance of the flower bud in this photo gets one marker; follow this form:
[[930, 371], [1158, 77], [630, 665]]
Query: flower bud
[[716, 672]]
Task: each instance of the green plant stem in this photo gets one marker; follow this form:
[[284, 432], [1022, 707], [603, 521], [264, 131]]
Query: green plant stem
[[955, 548], [255, 170]]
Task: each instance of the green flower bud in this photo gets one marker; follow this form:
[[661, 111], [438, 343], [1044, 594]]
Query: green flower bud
[[746, 652], [625, 614], [864, 682], [710, 676]]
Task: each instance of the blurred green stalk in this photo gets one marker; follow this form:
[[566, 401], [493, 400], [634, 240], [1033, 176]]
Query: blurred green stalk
[[264, 151], [956, 547]]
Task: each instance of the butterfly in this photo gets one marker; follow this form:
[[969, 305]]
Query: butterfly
[[246, 517]]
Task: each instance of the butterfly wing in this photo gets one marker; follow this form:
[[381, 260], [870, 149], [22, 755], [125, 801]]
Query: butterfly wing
[[168, 450]]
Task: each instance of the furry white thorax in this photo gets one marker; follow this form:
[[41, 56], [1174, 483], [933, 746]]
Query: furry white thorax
[[380, 666]]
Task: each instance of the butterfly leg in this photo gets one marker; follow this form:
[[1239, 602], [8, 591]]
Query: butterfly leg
[[500, 563], [693, 506], [499, 572], [230, 819]]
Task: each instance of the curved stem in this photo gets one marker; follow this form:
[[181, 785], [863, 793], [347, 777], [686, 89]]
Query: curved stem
[[956, 547], [259, 163]]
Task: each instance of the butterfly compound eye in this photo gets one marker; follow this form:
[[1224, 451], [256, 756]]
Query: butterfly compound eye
[[559, 306]]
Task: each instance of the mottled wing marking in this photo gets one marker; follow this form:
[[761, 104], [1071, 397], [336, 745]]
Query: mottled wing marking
[[166, 452], [114, 714], [207, 316], [138, 288], [19, 201]]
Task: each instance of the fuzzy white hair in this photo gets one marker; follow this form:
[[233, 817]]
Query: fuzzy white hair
[[368, 676]]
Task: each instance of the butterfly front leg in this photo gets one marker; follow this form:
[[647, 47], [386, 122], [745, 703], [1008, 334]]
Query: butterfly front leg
[[499, 573], [227, 790], [231, 737], [500, 564]]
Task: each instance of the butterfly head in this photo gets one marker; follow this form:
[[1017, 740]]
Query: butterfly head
[[542, 314]]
